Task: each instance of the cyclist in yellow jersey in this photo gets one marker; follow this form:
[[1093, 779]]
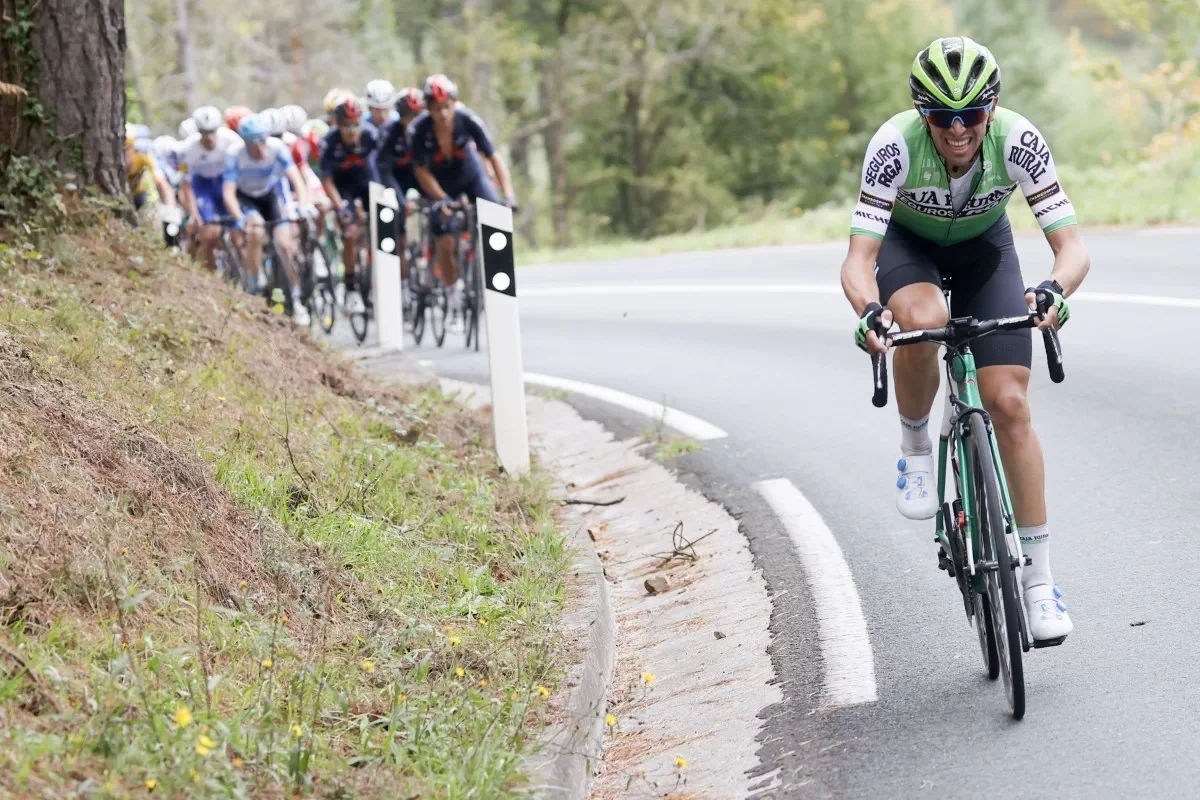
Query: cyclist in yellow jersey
[[147, 184]]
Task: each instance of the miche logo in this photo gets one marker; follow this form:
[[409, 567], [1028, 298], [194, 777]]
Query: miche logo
[[884, 166], [870, 217], [872, 200], [1052, 207], [1033, 155], [1044, 194]]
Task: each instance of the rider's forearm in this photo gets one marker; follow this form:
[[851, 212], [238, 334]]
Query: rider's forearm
[[331, 191], [300, 187], [188, 200], [429, 183], [858, 282], [1071, 265], [229, 192], [165, 192], [503, 176]]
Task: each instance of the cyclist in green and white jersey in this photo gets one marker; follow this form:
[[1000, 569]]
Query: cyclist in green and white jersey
[[935, 184]]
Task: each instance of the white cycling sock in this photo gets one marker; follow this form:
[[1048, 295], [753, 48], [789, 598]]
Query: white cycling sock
[[1035, 543], [914, 436]]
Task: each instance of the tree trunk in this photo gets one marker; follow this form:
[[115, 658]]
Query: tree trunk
[[183, 53], [552, 98], [72, 59]]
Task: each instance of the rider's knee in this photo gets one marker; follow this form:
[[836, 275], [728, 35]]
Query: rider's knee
[[1008, 405], [919, 311]]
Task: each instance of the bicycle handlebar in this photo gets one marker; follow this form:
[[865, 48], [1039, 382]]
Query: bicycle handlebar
[[960, 331]]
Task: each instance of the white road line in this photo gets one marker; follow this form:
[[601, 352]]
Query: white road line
[[845, 646], [804, 288], [685, 423], [710, 288]]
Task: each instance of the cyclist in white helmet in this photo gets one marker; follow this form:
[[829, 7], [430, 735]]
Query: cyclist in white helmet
[[202, 167], [187, 129], [294, 117], [381, 99]]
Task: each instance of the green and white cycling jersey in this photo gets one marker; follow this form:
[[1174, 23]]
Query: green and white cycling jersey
[[905, 179]]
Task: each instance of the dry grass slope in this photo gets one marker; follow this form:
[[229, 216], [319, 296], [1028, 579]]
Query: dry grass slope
[[232, 566]]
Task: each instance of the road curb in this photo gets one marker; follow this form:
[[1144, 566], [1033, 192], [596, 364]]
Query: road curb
[[572, 749]]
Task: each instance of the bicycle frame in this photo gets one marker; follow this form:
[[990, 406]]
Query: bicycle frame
[[962, 400]]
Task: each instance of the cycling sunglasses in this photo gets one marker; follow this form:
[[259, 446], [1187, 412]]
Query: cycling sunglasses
[[969, 117]]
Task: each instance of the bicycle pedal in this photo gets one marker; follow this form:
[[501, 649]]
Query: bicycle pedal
[[1038, 644]]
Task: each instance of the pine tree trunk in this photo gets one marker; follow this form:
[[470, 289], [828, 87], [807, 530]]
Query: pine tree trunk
[[72, 60], [183, 53]]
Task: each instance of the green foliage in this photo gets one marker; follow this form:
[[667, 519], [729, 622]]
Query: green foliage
[[29, 195]]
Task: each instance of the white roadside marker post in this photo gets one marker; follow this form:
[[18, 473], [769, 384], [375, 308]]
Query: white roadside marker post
[[385, 269], [504, 336]]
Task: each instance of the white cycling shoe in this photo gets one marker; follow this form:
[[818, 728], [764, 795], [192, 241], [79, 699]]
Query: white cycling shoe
[[915, 494], [1049, 622], [300, 314], [354, 303]]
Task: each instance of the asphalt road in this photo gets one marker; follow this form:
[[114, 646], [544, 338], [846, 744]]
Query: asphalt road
[[1111, 713]]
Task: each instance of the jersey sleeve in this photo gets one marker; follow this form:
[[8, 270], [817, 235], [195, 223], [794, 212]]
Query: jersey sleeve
[[328, 159], [1029, 163], [885, 169], [479, 133]]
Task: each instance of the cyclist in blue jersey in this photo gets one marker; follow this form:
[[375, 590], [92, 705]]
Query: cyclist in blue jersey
[[395, 161], [202, 168], [347, 169], [254, 170], [447, 167]]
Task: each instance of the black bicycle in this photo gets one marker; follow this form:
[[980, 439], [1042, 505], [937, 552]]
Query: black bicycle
[[316, 276], [977, 530], [428, 304], [229, 258]]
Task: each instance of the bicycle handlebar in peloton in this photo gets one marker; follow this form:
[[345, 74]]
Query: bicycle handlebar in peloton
[[962, 330]]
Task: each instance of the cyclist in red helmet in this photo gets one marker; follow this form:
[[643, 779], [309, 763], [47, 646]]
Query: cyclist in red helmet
[[234, 116], [395, 160], [447, 140], [347, 169]]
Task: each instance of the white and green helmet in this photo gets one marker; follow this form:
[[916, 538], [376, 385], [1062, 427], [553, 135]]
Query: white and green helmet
[[954, 72]]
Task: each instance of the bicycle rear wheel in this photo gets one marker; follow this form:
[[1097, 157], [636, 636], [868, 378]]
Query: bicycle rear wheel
[[1002, 597]]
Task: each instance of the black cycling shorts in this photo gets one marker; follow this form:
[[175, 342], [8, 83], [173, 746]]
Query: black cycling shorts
[[984, 277], [267, 206]]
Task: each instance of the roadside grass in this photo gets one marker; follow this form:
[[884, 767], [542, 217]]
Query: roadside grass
[[230, 566], [675, 446], [1161, 191]]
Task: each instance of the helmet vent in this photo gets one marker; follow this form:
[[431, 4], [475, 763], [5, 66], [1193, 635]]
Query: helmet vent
[[933, 73]]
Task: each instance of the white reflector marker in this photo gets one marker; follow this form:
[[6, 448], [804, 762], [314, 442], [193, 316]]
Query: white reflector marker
[[504, 336], [845, 646], [385, 267]]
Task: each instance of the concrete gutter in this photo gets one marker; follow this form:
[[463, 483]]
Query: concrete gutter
[[703, 636]]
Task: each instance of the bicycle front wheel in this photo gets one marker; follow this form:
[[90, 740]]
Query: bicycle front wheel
[[1002, 597]]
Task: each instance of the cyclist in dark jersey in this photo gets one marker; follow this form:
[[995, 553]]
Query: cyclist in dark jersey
[[444, 139], [347, 169], [395, 161]]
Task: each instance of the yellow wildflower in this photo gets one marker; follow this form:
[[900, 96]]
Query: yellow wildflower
[[483, 621], [297, 731], [610, 720], [207, 742], [401, 698], [368, 666], [238, 763], [183, 716], [242, 585], [195, 776], [267, 663], [454, 640], [647, 678], [220, 399], [201, 750], [150, 784], [459, 671], [514, 696], [283, 620], [543, 691], [680, 762], [483, 683]]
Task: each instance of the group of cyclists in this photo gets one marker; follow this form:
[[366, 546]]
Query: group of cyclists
[[266, 174]]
